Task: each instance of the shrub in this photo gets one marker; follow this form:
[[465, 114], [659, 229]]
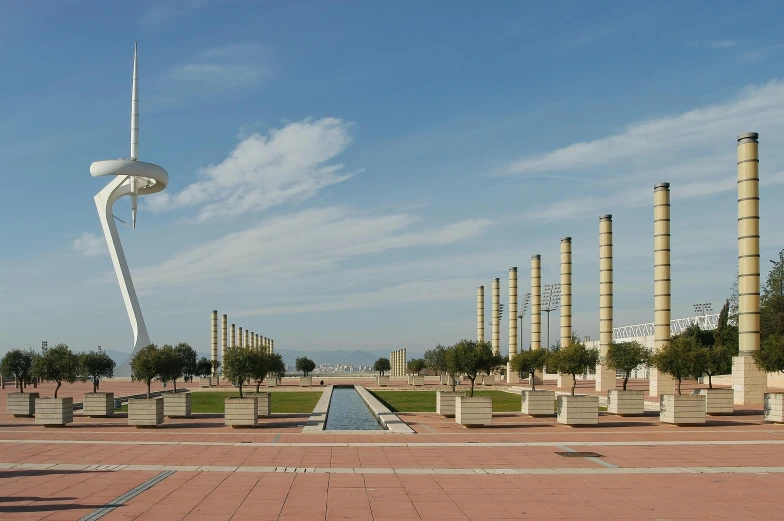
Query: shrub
[[626, 357], [145, 365], [94, 366], [58, 364], [19, 364]]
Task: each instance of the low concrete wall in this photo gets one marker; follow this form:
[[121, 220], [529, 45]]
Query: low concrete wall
[[687, 409], [305, 381], [488, 379], [386, 417], [53, 411], [318, 417], [417, 381], [382, 381]]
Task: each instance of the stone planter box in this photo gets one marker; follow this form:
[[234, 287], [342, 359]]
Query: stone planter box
[[685, 409], [205, 381], [718, 401], [271, 382], [144, 412], [488, 379], [538, 403], [774, 407], [578, 410], [241, 412], [473, 412], [264, 403], [53, 411], [410, 378], [305, 381], [98, 405], [417, 380], [177, 405], [382, 381], [625, 403], [445, 402], [21, 404]]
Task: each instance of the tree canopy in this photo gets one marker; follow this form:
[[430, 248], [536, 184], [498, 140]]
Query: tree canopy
[[435, 359], [204, 367], [574, 359], [58, 364], [96, 365], [626, 357], [527, 363], [169, 365], [19, 364], [188, 358], [770, 357], [681, 358], [473, 357], [145, 365], [305, 365], [381, 365], [772, 300], [415, 365], [259, 366], [238, 365]]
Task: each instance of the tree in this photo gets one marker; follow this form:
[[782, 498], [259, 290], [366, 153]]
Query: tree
[[19, 364], [473, 357], [770, 357], [94, 366], [681, 358], [145, 365], [58, 364], [381, 365], [772, 301], [452, 364], [238, 365], [435, 359], [204, 367], [527, 363], [626, 357], [189, 361], [169, 365], [277, 366], [259, 366], [574, 359], [214, 365], [305, 365], [726, 332], [415, 365]]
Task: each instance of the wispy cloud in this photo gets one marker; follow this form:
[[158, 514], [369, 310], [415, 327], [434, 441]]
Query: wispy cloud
[[288, 164], [714, 44], [763, 52], [90, 245], [162, 13], [218, 69]]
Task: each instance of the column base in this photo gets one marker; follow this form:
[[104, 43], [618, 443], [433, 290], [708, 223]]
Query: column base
[[748, 381], [605, 378], [660, 383], [511, 376]]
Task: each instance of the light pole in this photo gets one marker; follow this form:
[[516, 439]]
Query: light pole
[[551, 298], [44, 346], [703, 310], [523, 307]]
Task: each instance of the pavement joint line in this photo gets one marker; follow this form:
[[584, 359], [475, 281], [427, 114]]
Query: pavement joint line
[[121, 500], [276, 438], [426, 426]]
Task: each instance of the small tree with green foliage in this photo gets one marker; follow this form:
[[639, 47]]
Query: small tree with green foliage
[[189, 361], [58, 364], [19, 364], [527, 363], [452, 365], [259, 365], [626, 357], [772, 300], [770, 357], [238, 366], [145, 365], [574, 359], [381, 365], [474, 357], [726, 333], [435, 359], [204, 367], [277, 366], [169, 365], [214, 365], [415, 365], [305, 365], [681, 358], [94, 366]]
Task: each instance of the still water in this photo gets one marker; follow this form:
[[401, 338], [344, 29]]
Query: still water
[[348, 412]]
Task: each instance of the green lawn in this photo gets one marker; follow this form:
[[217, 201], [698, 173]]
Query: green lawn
[[282, 402], [425, 401]]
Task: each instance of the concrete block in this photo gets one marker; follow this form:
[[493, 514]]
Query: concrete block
[[264, 402], [21, 404], [748, 382], [382, 381], [472, 412], [488, 379], [241, 412], [445, 402], [271, 382], [177, 405], [565, 381], [53, 411], [774, 407], [305, 381], [538, 403], [205, 381], [98, 405], [625, 403], [660, 383], [417, 380], [578, 410], [684, 409], [144, 412], [718, 401]]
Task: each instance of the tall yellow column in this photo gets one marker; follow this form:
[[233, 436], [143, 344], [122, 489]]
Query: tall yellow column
[[748, 381], [536, 301], [511, 313], [246, 339], [605, 377], [496, 317], [661, 383], [565, 381], [214, 351], [233, 335], [480, 313], [224, 336], [239, 339]]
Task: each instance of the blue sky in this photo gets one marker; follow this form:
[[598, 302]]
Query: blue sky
[[343, 174]]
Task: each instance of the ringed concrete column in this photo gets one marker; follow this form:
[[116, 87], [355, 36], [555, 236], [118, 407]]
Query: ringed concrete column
[[565, 380], [233, 335], [536, 301], [512, 314], [245, 339], [480, 313], [214, 351], [239, 339], [496, 317], [661, 383], [605, 377], [224, 336], [272, 346], [748, 381]]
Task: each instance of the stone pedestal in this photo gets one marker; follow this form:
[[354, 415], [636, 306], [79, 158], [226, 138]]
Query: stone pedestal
[[177, 405], [660, 383], [271, 382], [214, 381], [241, 412], [410, 378], [205, 381], [538, 403], [605, 378], [264, 404], [382, 381], [687, 409], [748, 382], [144, 412], [511, 376], [53, 411], [417, 380], [474, 412], [565, 382], [717, 401], [98, 405], [445, 402], [625, 403], [305, 381], [444, 379], [578, 410], [774, 407], [488, 379], [21, 404]]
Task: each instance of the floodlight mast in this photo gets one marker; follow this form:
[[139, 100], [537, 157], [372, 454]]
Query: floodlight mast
[[523, 307], [551, 298]]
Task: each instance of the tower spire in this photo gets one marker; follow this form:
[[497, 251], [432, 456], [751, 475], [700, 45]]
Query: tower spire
[[134, 136]]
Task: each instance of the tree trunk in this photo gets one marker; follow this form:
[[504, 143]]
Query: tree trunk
[[174, 384], [95, 385], [57, 388], [240, 386], [625, 381], [533, 380], [574, 383], [710, 383], [454, 382], [472, 385], [258, 383], [149, 383], [679, 386]]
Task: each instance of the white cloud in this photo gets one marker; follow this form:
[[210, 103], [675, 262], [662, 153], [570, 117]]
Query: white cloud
[[162, 13], [234, 66], [90, 245], [289, 164], [715, 44]]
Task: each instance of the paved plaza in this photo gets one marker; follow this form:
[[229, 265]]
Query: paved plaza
[[199, 470]]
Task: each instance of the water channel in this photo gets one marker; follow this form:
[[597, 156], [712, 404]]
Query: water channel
[[348, 412]]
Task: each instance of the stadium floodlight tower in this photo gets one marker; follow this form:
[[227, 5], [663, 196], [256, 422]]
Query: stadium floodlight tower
[[134, 178]]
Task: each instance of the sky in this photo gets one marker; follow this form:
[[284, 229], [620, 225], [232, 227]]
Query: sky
[[343, 175]]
